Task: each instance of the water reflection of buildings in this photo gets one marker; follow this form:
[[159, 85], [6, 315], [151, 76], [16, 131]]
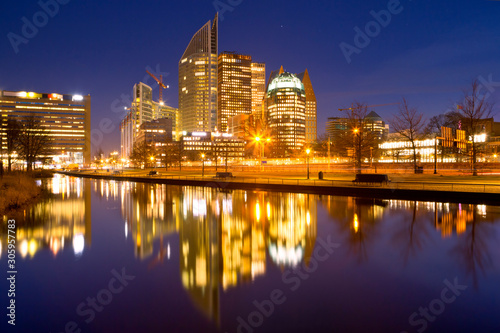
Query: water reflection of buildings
[[61, 221], [450, 218], [224, 236]]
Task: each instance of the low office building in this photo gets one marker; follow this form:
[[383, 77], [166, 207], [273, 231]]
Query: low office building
[[65, 118]]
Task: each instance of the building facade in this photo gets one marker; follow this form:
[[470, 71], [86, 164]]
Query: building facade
[[258, 87], [286, 113], [156, 132], [198, 81], [144, 110], [234, 87], [66, 119], [311, 108]]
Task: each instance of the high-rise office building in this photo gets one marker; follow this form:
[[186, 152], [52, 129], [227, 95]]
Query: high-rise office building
[[234, 87], [286, 113], [198, 81], [258, 87], [143, 110], [142, 103], [311, 108], [66, 119]]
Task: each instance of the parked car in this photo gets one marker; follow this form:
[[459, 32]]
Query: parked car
[[153, 173]]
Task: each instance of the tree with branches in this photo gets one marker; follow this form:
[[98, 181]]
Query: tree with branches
[[473, 109], [357, 137], [33, 141], [409, 123], [141, 154]]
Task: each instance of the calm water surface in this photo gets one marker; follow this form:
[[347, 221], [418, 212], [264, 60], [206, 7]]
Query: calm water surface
[[106, 256]]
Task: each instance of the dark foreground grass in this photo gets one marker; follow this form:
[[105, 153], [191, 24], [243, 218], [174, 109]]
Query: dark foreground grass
[[17, 190]]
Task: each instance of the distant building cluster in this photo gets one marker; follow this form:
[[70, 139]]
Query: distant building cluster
[[224, 99]]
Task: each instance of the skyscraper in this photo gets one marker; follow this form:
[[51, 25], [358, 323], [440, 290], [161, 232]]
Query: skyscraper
[[258, 87], [311, 108], [198, 81], [234, 87], [286, 113]]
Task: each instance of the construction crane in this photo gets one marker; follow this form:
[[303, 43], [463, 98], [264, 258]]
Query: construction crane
[[369, 106], [160, 83]]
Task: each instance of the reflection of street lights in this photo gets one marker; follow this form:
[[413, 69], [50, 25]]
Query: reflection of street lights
[[307, 152], [203, 165]]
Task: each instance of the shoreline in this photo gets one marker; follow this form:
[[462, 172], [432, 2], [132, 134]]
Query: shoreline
[[391, 191]]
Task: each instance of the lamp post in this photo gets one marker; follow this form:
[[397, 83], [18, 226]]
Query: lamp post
[[203, 165], [307, 152], [152, 158], [257, 139], [123, 162]]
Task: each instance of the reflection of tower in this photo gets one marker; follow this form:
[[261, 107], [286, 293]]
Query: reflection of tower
[[199, 252], [88, 211], [148, 212], [292, 227]]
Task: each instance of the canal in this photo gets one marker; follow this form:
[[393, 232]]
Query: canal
[[109, 256]]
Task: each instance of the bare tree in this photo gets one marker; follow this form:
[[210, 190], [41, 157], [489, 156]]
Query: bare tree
[[12, 130], [472, 110], [141, 154], [33, 141], [408, 122], [357, 137]]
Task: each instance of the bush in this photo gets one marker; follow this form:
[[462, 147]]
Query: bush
[[17, 190]]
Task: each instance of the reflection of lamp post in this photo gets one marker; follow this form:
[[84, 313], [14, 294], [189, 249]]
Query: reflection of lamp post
[[307, 152], [203, 165]]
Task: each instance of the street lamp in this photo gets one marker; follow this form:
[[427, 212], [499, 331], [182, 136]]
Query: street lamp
[[257, 139], [123, 162], [203, 165], [307, 152], [152, 158]]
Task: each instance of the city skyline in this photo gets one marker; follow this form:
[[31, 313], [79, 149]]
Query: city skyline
[[445, 56]]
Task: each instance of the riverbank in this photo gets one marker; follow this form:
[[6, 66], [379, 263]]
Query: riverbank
[[17, 190], [483, 190]]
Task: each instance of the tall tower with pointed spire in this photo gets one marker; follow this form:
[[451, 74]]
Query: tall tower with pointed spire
[[311, 108], [198, 81]]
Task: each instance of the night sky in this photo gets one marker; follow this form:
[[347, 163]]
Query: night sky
[[429, 52]]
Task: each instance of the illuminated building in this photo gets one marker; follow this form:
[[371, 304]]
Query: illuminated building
[[219, 145], [162, 111], [198, 81], [311, 108], [375, 124], [143, 110], [237, 125], [66, 118], [156, 132], [258, 87], [286, 113], [335, 126], [234, 87]]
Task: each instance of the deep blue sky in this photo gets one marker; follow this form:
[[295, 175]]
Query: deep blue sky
[[429, 52]]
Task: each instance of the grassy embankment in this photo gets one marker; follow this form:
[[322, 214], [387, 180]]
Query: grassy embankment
[[18, 189]]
